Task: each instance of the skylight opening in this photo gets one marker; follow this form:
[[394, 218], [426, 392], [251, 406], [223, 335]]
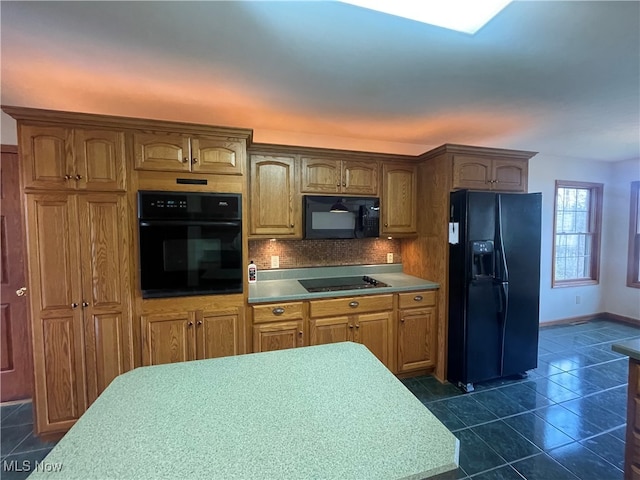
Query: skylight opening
[[466, 16]]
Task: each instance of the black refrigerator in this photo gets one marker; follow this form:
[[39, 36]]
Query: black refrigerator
[[494, 285]]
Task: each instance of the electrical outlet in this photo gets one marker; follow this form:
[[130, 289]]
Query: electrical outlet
[[578, 299], [389, 257], [275, 261]]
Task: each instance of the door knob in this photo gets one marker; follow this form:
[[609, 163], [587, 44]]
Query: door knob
[[74, 305], [68, 177], [195, 160], [85, 304], [78, 177], [21, 292]]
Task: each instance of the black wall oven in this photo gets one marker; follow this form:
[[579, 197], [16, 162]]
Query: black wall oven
[[190, 243]]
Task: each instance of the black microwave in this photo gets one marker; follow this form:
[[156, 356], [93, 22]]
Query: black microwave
[[341, 217]]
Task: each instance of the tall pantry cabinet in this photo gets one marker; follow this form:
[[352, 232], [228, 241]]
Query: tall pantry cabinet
[[78, 262]]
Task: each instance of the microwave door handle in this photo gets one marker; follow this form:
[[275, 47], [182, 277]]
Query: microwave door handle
[[187, 223]]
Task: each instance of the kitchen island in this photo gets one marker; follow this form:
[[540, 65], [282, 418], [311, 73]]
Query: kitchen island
[[327, 411]]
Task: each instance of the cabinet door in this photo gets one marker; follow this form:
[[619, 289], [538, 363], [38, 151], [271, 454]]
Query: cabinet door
[[162, 152], [416, 339], [217, 155], [275, 204], [399, 198], [510, 175], [104, 250], [168, 338], [471, 172], [47, 158], [277, 336], [373, 331], [99, 159], [360, 178], [56, 314], [217, 335], [330, 330], [320, 175]]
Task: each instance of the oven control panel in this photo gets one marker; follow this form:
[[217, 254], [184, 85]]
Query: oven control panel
[[189, 205]]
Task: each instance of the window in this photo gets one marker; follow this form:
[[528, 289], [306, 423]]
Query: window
[[577, 227], [633, 269]]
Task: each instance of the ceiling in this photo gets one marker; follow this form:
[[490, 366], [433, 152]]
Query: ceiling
[[558, 77]]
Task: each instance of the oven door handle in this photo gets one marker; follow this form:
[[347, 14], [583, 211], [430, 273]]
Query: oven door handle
[[188, 223]]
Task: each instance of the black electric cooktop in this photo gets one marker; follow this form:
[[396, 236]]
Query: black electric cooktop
[[333, 284]]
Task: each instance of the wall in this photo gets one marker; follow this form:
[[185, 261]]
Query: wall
[[562, 303], [9, 130], [312, 253], [619, 299]]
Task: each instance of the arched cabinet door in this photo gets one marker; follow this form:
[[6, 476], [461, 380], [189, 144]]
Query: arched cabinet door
[[274, 201]]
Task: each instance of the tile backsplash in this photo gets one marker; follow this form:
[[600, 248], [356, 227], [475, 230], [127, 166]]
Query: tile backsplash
[[323, 253]]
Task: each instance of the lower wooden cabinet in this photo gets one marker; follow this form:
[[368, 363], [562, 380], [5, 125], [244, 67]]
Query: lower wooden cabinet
[[78, 266], [278, 326], [278, 336], [357, 321], [417, 337], [194, 335]]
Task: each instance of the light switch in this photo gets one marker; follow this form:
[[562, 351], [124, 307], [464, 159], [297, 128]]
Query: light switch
[[389, 257], [275, 261]]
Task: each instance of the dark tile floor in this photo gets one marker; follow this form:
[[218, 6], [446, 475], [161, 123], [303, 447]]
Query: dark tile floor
[[565, 421]]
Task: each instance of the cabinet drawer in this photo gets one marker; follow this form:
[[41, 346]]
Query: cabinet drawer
[[424, 298], [350, 305], [277, 311]]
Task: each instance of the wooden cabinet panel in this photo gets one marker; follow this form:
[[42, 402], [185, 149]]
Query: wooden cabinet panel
[[399, 199], [330, 330], [100, 159], [162, 152], [330, 176], [373, 331], [106, 351], [168, 338], [424, 298], [350, 305], [53, 263], [360, 178], [278, 336], [79, 290], [71, 159], [416, 339], [320, 175], [277, 312], [275, 204], [217, 335], [58, 353], [481, 173], [471, 172], [510, 175], [217, 155], [46, 156]]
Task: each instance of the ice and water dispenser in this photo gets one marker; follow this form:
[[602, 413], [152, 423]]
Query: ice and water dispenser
[[482, 260]]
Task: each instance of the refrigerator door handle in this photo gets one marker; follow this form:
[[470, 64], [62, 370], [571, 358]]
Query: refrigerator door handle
[[504, 312], [502, 260]]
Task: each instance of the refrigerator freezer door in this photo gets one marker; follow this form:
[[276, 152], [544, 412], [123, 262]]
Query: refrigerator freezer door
[[520, 222]]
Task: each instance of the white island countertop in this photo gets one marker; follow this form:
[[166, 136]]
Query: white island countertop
[[323, 412]]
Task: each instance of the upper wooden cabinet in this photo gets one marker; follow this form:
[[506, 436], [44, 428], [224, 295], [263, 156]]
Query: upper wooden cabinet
[[399, 198], [172, 152], [331, 176], [485, 173], [72, 158], [275, 205]]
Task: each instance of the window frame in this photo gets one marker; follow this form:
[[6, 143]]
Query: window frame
[[633, 260], [595, 222]]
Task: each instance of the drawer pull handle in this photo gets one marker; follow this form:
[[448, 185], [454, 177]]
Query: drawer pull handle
[[278, 311], [354, 304], [418, 298]]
